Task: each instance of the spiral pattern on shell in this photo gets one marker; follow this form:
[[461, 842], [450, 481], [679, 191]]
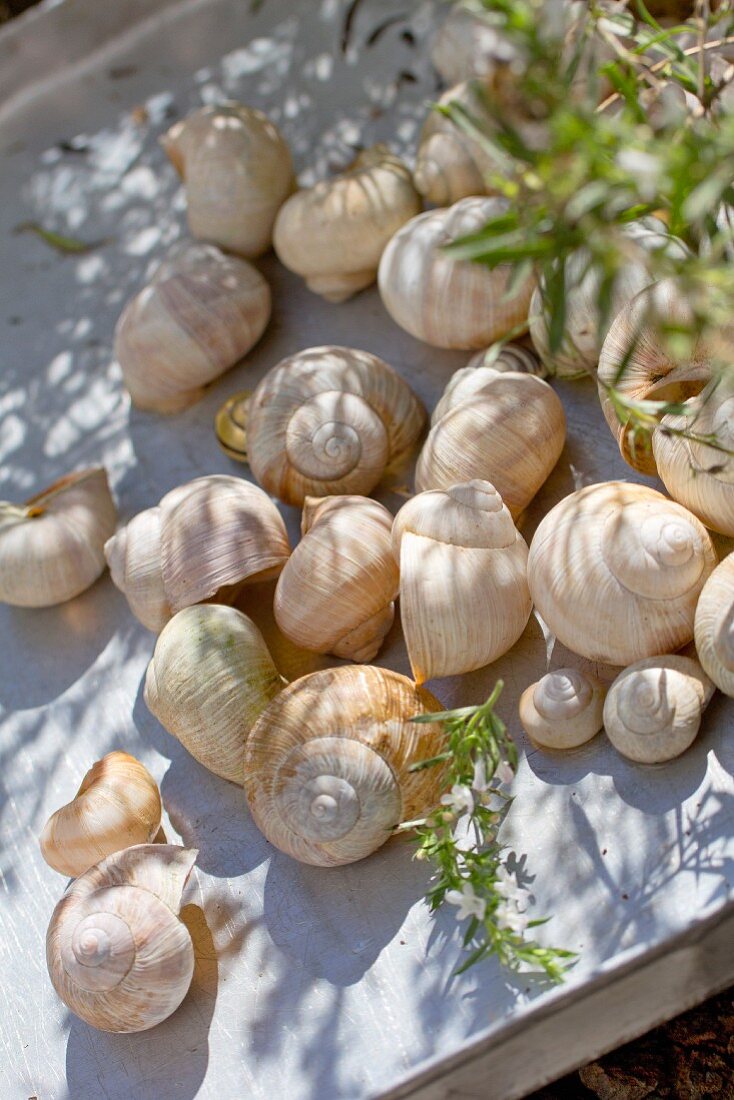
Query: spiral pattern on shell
[[563, 709], [714, 626], [513, 357]]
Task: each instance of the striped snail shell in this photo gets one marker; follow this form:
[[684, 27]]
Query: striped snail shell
[[714, 626]]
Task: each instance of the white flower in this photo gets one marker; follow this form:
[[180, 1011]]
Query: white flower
[[505, 774], [506, 885], [480, 781], [509, 916], [459, 798], [469, 905]]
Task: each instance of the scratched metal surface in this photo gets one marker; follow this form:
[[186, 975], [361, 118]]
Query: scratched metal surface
[[309, 983]]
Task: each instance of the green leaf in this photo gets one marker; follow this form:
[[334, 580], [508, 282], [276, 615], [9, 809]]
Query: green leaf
[[67, 245]]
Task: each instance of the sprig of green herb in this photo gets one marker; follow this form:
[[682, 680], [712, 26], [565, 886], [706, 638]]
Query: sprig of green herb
[[460, 838]]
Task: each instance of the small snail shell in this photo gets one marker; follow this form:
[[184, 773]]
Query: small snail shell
[[210, 677], [117, 953], [467, 45], [328, 421], [203, 538], [714, 626], [701, 477], [238, 172], [336, 592], [450, 163], [651, 372], [201, 313], [583, 332], [450, 303], [512, 357], [504, 427], [464, 597], [563, 710], [51, 547], [333, 234], [117, 805], [653, 710], [327, 765], [615, 571]]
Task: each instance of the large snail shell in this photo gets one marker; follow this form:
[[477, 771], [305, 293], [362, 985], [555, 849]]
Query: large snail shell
[[583, 331], [451, 164], [500, 426], [651, 371], [714, 626], [450, 303], [238, 172], [615, 571], [51, 547], [118, 804], [653, 710], [210, 677], [117, 954], [327, 765], [464, 597], [201, 313], [563, 710], [336, 592], [203, 538], [329, 421], [701, 477], [333, 234]]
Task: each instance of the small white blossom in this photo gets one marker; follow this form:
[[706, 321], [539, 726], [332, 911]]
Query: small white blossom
[[480, 781], [506, 885], [509, 916], [459, 798], [469, 905]]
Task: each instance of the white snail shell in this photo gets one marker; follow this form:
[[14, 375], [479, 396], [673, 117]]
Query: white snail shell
[[238, 171], [447, 302], [499, 426], [209, 678], [333, 234], [200, 314], [117, 953], [329, 421], [51, 547], [513, 357], [451, 164], [583, 334], [698, 476], [203, 538], [327, 765], [653, 710], [336, 593], [117, 805], [466, 45], [464, 597], [714, 626], [615, 570], [562, 710], [651, 372]]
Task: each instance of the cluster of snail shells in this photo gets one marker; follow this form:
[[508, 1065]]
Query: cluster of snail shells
[[52, 547], [714, 626], [202, 312], [333, 234], [237, 170], [445, 301], [498, 425], [329, 420], [203, 539]]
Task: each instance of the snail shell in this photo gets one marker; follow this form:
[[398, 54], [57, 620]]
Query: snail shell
[[333, 234], [583, 330], [499, 426], [328, 421], [451, 164], [117, 805], [653, 710], [201, 313], [615, 570], [447, 302], [563, 710], [464, 597], [117, 953], [467, 45], [513, 357], [203, 538], [210, 677], [238, 172], [336, 593], [651, 372], [701, 477], [51, 547], [714, 626], [327, 765]]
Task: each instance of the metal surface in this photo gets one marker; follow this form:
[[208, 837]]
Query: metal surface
[[309, 983]]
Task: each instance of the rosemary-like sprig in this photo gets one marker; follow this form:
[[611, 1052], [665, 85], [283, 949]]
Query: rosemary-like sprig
[[460, 838]]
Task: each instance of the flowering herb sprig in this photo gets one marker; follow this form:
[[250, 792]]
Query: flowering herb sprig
[[460, 838]]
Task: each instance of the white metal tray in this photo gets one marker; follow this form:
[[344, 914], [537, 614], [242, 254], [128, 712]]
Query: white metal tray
[[309, 983]]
